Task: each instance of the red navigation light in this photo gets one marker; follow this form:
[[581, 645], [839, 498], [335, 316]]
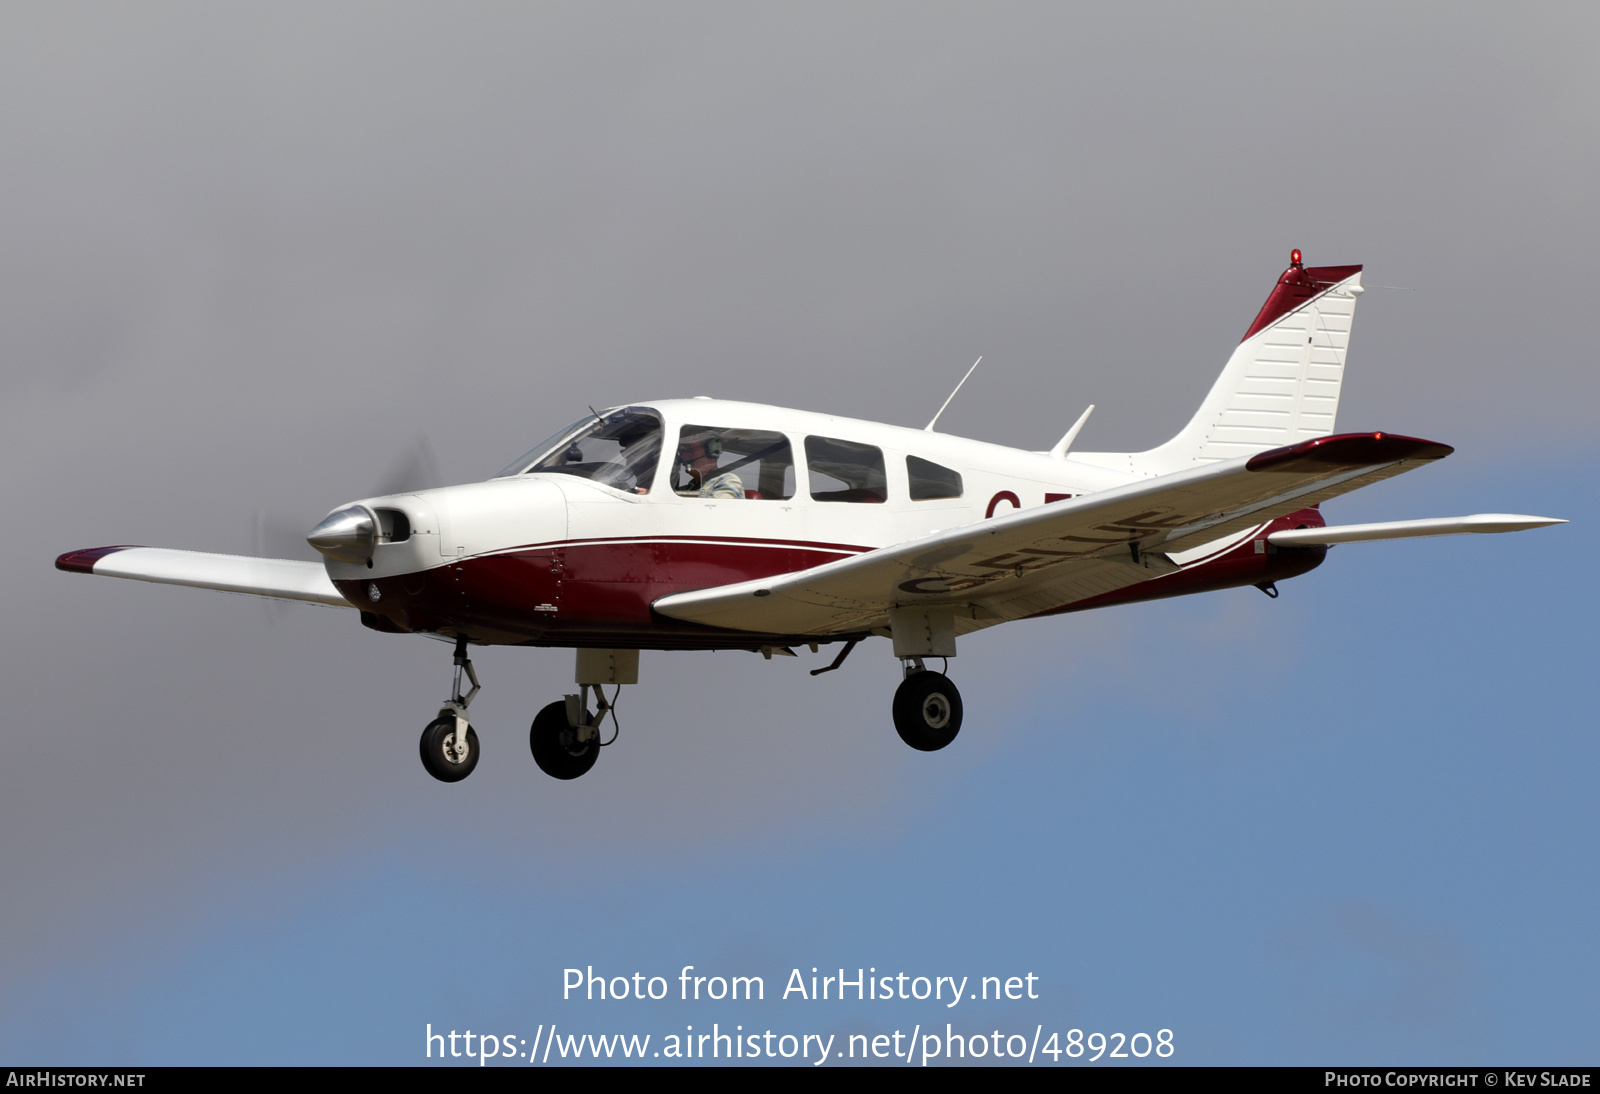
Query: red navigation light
[[1294, 257]]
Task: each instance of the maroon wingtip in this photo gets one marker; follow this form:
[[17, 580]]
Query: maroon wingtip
[[1349, 450], [1296, 286], [82, 562]]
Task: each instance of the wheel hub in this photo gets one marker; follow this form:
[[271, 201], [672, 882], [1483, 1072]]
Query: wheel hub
[[452, 753], [936, 711]]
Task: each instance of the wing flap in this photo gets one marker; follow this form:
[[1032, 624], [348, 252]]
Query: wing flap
[[1044, 558], [281, 578]]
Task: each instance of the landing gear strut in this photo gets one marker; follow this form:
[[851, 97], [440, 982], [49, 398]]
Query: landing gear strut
[[565, 736], [927, 708], [450, 744]]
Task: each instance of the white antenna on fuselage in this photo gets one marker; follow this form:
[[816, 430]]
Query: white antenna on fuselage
[[1060, 450], [929, 427]]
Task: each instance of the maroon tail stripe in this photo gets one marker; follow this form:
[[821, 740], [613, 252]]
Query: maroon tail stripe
[[82, 562], [1298, 285]]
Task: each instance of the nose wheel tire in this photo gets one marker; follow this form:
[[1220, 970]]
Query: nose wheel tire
[[927, 711], [555, 746], [442, 756]]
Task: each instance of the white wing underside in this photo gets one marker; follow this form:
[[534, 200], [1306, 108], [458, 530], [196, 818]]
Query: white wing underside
[[280, 578], [1042, 559]]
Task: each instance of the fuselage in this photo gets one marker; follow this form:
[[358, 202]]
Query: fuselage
[[575, 553]]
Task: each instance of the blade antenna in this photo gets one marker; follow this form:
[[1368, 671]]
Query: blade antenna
[[1060, 450], [929, 427]]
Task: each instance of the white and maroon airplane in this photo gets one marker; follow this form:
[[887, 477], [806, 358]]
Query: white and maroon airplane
[[768, 529]]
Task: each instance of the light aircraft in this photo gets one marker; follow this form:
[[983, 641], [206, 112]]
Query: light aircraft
[[769, 529]]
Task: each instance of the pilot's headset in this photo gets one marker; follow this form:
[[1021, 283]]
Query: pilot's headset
[[711, 442]]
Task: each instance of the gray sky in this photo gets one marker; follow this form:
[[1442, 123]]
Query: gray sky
[[256, 254]]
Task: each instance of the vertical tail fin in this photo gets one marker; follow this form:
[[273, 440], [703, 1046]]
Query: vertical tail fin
[[1282, 383]]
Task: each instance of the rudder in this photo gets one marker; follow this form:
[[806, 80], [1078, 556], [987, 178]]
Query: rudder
[[1281, 385]]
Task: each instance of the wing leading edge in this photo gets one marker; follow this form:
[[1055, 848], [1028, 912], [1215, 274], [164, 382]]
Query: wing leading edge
[[1042, 559], [281, 578]]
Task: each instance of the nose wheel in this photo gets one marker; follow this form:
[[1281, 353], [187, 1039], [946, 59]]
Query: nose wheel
[[450, 744], [447, 753], [927, 710]]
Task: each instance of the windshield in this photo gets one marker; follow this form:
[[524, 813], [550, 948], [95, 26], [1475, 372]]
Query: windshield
[[619, 449], [520, 464]]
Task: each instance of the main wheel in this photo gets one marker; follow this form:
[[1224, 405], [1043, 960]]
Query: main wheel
[[555, 744], [927, 711], [440, 755]]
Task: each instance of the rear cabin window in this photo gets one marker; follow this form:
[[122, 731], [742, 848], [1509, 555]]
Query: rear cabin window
[[845, 471], [748, 464], [930, 482]]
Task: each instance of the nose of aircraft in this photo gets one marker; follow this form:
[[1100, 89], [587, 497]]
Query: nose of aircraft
[[348, 534]]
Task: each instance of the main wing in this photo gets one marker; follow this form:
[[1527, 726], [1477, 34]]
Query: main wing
[[1045, 558], [281, 578]]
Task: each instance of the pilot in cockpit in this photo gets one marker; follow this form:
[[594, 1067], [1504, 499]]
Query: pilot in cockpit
[[697, 457]]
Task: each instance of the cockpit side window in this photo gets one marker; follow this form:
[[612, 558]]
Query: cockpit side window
[[845, 471], [620, 449], [752, 464], [929, 481]]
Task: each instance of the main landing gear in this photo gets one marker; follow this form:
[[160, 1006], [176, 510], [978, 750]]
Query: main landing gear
[[450, 744], [927, 708], [565, 736]]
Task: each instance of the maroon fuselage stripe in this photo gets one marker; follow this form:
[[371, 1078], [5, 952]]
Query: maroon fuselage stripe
[[599, 593], [583, 592]]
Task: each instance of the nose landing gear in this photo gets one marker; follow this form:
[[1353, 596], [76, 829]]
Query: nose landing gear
[[449, 744], [565, 736], [448, 754], [927, 708]]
